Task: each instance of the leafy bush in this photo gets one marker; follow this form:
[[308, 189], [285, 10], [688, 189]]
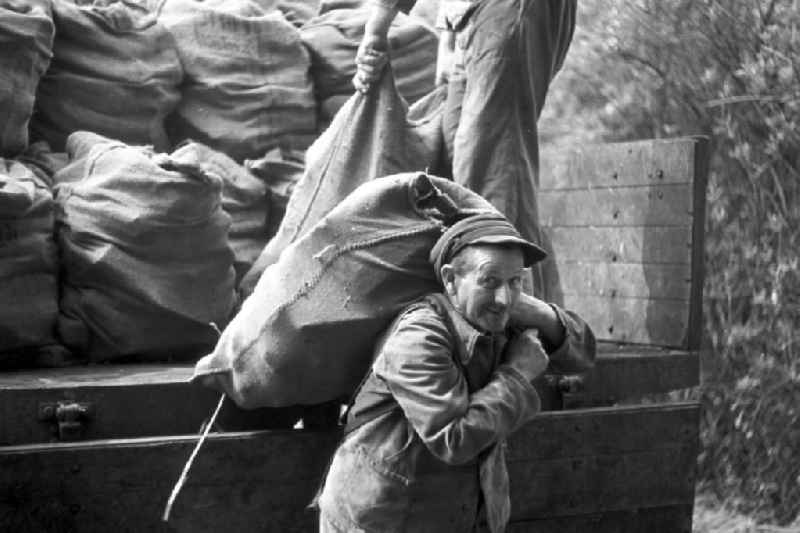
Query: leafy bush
[[729, 69]]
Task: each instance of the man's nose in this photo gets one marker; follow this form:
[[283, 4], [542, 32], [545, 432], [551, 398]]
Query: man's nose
[[502, 295]]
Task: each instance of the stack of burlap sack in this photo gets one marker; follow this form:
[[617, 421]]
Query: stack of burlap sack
[[148, 151]]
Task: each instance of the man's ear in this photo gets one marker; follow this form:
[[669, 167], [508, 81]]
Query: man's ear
[[449, 278]]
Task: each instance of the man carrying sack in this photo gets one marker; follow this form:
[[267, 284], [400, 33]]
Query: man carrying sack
[[498, 58], [451, 380]]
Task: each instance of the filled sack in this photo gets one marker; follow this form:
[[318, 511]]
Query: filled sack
[[244, 197], [147, 271], [247, 86], [280, 170], [115, 71], [298, 12], [373, 135], [26, 28], [28, 263], [333, 38], [306, 334], [43, 161]]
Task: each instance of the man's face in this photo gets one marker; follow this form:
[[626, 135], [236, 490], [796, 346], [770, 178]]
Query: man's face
[[484, 283]]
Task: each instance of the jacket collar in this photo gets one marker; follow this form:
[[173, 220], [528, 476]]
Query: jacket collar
[[467, 334]]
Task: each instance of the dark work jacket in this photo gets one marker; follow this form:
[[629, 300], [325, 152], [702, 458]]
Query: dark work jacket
[[438, 404]]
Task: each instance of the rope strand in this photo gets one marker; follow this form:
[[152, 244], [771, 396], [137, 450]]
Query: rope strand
[[185, 474]]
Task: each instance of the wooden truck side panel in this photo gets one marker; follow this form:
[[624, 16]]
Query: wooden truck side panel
[[614, 468], [626, 221]]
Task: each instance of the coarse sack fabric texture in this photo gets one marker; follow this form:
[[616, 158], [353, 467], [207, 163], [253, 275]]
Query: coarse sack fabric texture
[[145, 258], [298, 12], [373, 135], [26, 28], [306, 334], [426, 10], [333, 38], [247, 86], [28, 260], [280, 169], [43, 161], [115, 71], [244, 197]]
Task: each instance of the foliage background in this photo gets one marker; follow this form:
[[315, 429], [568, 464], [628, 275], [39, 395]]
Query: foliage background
[[729, 69]]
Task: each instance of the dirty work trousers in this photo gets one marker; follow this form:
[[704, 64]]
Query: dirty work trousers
[[507, 51]]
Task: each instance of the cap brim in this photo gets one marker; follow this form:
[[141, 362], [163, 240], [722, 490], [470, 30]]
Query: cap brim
[[531, 253]]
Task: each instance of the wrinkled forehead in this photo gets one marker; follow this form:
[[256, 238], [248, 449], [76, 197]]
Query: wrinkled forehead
[[505, 259]]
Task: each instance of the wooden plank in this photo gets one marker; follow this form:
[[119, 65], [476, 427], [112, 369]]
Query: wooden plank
[[88, 376], [605, 431], [606, 165], [609, 460], [627, 244], [630, 203], [153, 400], [701, 164], [601, 483], [660, 322], [263, 480], [126, 400], [656, 205], [666, 519], [240, 482], [624, 372], [626, 280]]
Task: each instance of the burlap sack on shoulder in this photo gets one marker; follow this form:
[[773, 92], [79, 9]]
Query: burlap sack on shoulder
[[144, 244], [306, 334], [247, 86], [373, 135], [26, 41], [28, 261], [115, 71]]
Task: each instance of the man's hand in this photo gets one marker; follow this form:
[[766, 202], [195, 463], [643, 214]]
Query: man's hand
[[531, 312], [373, 52], [371, 58], [525, 354]]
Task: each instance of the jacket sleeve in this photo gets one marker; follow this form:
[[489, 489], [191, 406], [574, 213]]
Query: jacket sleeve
[[416, 363], [577, 353]]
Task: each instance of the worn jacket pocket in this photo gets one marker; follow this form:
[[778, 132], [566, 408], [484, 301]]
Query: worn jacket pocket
[[363, 493]]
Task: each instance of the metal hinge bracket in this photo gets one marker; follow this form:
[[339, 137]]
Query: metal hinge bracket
[[68, 418]]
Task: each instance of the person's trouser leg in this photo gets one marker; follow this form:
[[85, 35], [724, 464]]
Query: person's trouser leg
[[512, 50]]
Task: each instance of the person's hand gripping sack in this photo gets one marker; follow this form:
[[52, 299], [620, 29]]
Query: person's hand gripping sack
[[371, 59], [373, 52], [525, 354]]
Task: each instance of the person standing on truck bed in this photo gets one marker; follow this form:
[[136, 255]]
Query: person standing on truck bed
[[425, 435], [498, 58]]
